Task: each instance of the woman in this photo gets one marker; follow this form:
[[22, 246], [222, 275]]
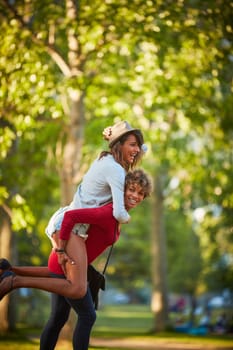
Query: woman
[[101, 234]]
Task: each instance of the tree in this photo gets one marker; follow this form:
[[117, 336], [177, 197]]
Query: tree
[[77, 66], [58, 34]]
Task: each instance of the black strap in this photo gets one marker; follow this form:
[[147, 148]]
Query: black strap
[[110, 250]]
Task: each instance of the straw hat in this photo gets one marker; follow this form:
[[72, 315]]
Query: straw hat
[[115, 132]]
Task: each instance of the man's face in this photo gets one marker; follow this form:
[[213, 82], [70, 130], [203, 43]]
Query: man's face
[[134, 195]]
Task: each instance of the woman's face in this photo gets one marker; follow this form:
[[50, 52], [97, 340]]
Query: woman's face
[[134, 195], [130, 149]]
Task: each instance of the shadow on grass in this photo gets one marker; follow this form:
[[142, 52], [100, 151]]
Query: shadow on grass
[[17, 341]]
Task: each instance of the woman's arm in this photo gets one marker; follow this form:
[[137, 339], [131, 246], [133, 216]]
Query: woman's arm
[[116, 180]]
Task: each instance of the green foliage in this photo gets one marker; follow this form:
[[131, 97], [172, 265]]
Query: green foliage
[[184, 254], [131, 255]]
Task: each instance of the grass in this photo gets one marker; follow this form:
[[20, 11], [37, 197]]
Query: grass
[[121, 322]]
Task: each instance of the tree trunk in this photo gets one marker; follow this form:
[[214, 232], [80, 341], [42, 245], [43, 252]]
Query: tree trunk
[[72, 151], [159, 301], [7, 305], [69, 172], [76, 114]]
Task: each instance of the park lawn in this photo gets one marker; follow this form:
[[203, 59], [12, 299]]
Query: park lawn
[[121, 319], [136, 322], [132, 322]]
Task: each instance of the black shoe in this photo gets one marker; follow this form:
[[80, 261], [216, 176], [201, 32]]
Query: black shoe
[[5, 265]]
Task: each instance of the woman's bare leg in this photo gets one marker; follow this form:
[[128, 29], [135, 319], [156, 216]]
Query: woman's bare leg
[[33, 271], [55, 239], [79, 257], [74, 287]]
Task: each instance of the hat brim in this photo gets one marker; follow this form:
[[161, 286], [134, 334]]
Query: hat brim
[[125, 133]]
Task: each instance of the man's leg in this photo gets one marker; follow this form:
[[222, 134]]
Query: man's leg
[[59, 315], [85, 310]]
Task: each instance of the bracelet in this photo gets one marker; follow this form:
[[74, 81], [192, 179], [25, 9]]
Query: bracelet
[[57, 250]]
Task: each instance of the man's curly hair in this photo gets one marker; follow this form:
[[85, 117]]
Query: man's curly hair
[[139, 177]]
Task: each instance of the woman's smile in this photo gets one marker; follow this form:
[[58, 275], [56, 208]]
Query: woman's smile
[[130, 149]]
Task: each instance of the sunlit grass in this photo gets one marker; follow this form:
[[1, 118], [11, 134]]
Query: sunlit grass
[[121, 319], [131, 322]]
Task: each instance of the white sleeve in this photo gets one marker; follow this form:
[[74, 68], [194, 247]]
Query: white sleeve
[[116, 179]]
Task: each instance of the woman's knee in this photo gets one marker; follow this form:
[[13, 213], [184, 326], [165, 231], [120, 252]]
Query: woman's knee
[[78, 292]]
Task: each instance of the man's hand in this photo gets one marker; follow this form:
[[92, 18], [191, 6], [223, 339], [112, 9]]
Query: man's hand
[[63, 259]]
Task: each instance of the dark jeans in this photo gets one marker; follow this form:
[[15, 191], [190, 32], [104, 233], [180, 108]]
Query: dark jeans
[[60, 310]]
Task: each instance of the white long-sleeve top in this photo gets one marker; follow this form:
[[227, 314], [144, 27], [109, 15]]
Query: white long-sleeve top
[[103, 183]]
